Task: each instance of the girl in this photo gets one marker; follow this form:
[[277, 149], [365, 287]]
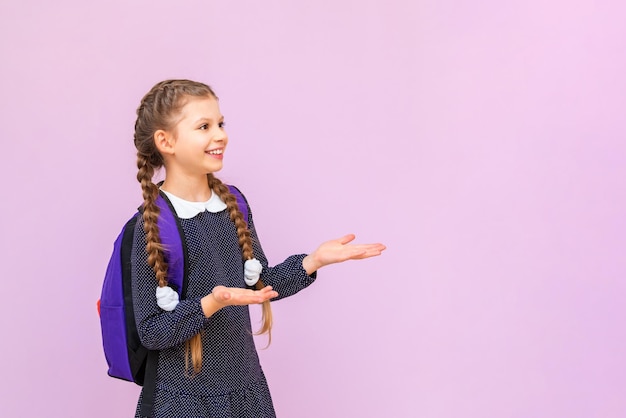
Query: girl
[[207, 364]]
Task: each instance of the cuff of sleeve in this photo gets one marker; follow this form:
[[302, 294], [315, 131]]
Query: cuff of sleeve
[[197, 309], [309, 278]]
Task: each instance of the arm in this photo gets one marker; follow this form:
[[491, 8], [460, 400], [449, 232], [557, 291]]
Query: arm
[[299, 271]]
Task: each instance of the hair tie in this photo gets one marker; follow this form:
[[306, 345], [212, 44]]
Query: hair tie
[[252, 271], [167, 298]]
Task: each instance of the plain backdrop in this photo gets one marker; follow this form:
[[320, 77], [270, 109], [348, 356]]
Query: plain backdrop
[[483, 142]]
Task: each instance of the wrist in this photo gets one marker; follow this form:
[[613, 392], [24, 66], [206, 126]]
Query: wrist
[[210, 305], [310, 264]]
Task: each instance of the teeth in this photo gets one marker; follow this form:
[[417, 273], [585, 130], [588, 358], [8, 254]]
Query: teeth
[[216, 152]]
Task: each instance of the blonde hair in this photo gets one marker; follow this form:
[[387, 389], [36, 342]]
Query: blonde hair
[[158, 110]]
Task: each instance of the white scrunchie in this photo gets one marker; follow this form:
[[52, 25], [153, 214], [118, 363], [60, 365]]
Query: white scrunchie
[[252, 271], [167, 298]]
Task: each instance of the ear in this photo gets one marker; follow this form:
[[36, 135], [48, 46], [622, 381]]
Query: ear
[[164, 142]]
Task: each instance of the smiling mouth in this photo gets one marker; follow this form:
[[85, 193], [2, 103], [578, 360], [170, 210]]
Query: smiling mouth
[[216, 152]]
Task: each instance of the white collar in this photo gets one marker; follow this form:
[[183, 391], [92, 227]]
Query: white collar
[[186, 209]]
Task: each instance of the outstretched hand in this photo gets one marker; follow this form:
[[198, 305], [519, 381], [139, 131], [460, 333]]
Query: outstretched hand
[[339, 250], [224, 296], [238, 296]]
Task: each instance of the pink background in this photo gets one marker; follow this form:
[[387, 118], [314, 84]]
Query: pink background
[[483, 142]]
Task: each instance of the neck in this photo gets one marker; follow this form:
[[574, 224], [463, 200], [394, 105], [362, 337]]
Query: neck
[[195, 189]]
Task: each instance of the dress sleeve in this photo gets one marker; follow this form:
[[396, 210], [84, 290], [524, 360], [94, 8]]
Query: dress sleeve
[[159, 329], [288, 277]]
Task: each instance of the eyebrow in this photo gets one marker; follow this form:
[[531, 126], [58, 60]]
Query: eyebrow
[[204, 119]]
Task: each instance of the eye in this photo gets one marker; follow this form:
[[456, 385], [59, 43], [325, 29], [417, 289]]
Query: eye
[[204, 126], [222, 124]]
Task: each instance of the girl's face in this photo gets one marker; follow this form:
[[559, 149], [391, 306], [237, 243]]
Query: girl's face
[[199, 138]]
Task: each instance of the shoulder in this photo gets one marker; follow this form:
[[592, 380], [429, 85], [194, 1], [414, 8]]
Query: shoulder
[[242, 201], [236, 191]]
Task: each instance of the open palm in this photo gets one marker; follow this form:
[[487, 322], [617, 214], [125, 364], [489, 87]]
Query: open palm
[[339, 250]]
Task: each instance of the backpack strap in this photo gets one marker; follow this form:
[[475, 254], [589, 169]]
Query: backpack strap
[[241, 202], [149, 386], [136, 358], [171, 234]]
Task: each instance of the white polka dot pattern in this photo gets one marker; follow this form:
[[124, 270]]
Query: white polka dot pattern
[[231, 383]]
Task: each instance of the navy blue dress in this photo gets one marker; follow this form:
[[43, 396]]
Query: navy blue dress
[[231, 383]]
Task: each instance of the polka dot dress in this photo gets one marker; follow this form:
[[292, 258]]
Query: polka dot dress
[[231, 383]]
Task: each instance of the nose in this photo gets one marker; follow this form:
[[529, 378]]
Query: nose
[[220, 136]]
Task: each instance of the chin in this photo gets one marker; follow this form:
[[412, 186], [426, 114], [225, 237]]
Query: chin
[[215, 169]]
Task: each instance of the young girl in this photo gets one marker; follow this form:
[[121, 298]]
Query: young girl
[[207, 365]]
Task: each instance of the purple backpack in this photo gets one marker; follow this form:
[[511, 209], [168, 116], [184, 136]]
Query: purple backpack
[[126, 357]]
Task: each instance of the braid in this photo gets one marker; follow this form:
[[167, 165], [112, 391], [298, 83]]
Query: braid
[[158, 110], [154, 247], [193, 353], [245, 242]]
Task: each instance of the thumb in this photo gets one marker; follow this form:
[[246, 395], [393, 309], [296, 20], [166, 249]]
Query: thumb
[[346, 239], [221, 294]]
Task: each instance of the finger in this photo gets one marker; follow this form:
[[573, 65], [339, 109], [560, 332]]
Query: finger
[[249, 298], [223, 296], [366, 251], [269, 294], [371, 247], [358, 254], [373, 252], [262, 298], [346, 239]]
